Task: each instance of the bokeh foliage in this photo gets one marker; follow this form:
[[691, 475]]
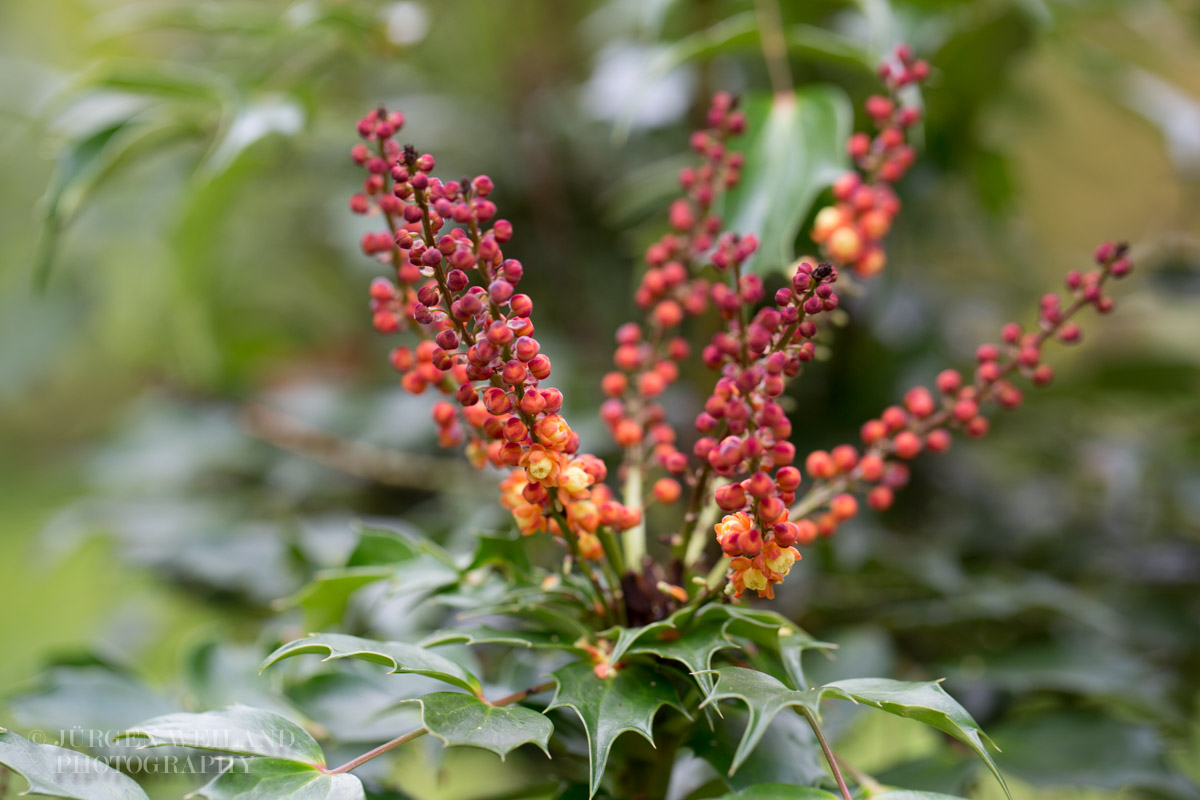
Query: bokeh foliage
[[175, 245]]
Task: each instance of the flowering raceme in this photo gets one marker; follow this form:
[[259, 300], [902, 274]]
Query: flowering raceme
[[454, 290]]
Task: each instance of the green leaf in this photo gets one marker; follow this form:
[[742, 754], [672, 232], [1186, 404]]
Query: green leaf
[[410, 563], [357, 706], [773, 631], [400, 656], [538, 607], [92, 695], [906, 795], [788, 754], [482, 634], [82, 167], [627, 700], [780, 791], [381, 547], [461, 720], [254, 121], [765, 696], [694, 648], [325, 597], [509, 554], [778, 633], [925, 702], [54, 771], [272, 778], [798, 149], [239, 730]]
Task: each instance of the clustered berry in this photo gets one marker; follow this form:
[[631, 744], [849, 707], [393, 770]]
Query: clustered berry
[[672, 287], [456, 291], [850, 231], [927, 417], [744, 430]]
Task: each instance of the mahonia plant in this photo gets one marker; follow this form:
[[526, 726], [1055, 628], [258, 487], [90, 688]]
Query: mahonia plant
[[624, 628]]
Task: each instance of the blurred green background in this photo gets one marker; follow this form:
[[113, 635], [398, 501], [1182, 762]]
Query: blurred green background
[[175, 245]]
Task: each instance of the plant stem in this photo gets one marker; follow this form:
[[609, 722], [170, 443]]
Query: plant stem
[[828, 751], [702, 533], [569, 537], [635, 537], [354, 763], [770, 33]]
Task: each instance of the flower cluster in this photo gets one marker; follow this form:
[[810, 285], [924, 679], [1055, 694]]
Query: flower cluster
[[927, 418], [457, 293], [850, 231], [745, 431], [453, 289], [647, 356]]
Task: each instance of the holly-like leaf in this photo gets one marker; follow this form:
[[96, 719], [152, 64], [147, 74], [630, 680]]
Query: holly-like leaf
[[273, 778], [461, 720], [771, 630], [547, 611], [400, 656], [906, 795], [798, 149], [54, 771], [925, 702], [764, 695], [788, 754], [483, 634], [239, 730], [694, 648], [780, 791], [626, 700]]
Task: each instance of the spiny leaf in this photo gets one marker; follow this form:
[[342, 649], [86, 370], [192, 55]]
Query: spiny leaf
[[402, 657], [240, 730], [797, 150], [925, 702], [461, 720], [271, 778], [774, 631], [788, 754], [482, 634], [54, 771], [625, 701], [765, 696], [694, 648], [627, 637]]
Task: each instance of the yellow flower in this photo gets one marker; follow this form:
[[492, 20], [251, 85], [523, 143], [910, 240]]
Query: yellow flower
[[753, 579]]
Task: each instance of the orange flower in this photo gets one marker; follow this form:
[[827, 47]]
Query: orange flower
[[542, 465], [554, 432], [529, 519]]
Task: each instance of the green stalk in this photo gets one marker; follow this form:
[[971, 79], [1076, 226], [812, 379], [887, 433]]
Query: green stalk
[[635, 537]]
